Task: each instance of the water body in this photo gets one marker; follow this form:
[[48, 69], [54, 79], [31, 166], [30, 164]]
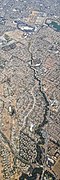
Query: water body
[[54, 25], [24, 27]]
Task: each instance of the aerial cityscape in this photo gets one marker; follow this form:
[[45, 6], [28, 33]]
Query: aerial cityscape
[[29, 90]]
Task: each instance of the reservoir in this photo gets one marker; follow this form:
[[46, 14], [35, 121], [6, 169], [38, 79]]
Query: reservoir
[[54, 25]]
